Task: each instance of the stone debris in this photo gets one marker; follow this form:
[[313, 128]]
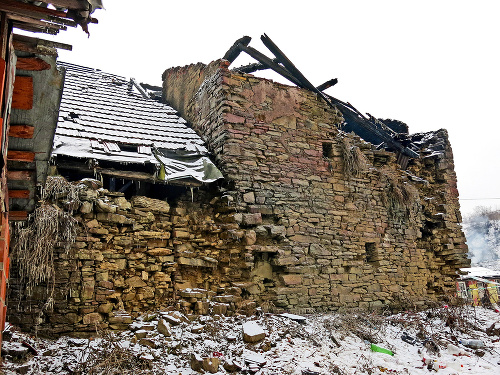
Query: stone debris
[[196, 362], [253, 332], [290, 346], [164, 328], [211, 364]]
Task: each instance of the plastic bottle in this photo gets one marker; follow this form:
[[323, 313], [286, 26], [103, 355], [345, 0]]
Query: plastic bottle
[[474, 344]]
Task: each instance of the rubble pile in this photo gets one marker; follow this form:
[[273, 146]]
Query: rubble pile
[[446, 340]]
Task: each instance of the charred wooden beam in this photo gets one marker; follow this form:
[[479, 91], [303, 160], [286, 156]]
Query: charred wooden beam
[[233, 52], [328, 84], [21, 131], [32, 64], [250, 68], [68, 4], [263, 59]]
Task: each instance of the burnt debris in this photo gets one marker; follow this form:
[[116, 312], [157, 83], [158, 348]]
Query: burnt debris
[[369, 128]]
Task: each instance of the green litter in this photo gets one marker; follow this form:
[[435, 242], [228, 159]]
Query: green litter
[[376, 348]]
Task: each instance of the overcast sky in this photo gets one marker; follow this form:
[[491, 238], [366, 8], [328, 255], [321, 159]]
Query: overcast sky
[[431, 64]]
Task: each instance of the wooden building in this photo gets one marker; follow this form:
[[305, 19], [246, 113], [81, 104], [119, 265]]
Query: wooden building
[[29, 87]]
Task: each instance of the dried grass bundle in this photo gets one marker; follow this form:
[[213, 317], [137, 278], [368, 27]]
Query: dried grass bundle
[[47, 227], [57, 187], [353, 158]]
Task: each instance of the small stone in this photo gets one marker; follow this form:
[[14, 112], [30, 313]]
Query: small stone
[[211, 364], [147, 342], [196, 362], [197, 328], [92, 318], [140, 334], [164, 328], [252, 332], [231, 366]]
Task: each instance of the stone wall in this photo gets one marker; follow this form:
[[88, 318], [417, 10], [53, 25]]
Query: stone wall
[[308, 219], [356, 230], [134, 256]]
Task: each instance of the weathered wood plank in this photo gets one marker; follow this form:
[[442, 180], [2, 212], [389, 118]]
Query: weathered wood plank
[[32, 64], [21, 194], [20, 175], [4, 32], [23, 46], [22, 96], [37, 42], [26, 156], [36, 22], [21, 131], [28, 9], [18, 215], [68, 4]]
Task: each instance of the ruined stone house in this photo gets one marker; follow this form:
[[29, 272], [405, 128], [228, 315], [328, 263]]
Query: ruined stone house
[[308, 217]]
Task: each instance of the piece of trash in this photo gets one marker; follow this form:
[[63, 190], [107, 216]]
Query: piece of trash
[[455, 350], [379, 349], [407, 338], [309, 372], [473, 344]]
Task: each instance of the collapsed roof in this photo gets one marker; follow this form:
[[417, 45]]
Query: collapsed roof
[[369, 128], [109, 125]]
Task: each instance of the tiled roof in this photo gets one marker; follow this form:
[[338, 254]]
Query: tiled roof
[[106, 117]]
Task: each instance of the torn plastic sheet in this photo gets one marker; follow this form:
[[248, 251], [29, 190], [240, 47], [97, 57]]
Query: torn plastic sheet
[[172, 164], [179, 164]]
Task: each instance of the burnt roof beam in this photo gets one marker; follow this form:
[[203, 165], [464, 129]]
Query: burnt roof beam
[[263, 59], [235, 50]]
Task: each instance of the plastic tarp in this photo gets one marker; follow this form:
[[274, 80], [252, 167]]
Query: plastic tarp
[[182, 164]]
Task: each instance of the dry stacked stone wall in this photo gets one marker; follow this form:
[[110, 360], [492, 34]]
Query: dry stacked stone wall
[[348, 227], [307, 219]]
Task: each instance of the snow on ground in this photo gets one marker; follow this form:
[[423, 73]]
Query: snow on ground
[[322, 344]]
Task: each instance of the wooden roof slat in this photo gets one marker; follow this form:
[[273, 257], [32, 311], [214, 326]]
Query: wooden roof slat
[[26, 9], [35, 42], [28, 47], [68, 4], [34, 28], [36, 22]]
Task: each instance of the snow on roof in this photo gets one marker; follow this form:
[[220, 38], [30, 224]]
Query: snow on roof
[[107, 117], [479, 272]]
